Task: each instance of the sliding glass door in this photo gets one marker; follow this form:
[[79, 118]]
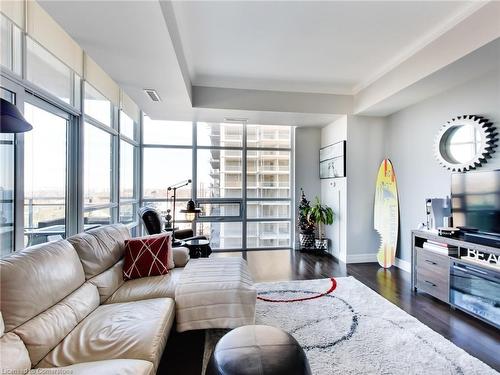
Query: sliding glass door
[[45, 173]]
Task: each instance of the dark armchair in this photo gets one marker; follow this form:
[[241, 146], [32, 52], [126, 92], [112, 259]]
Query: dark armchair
[[154, 225]]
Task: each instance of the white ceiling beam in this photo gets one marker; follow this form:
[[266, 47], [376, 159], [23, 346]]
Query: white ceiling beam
[[173, 31], [275, 101]]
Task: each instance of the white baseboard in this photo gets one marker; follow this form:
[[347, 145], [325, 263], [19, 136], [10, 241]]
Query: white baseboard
[[362, 258], [372, 258], [402, 264]]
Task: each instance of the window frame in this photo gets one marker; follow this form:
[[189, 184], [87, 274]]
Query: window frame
[[243, 200], [135, 200], [290, 198], [24, 90], [143, 146], [25, 94], [70, 125], [18, 205]]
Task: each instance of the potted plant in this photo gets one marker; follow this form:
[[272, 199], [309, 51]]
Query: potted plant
[[321, 215], [305, 223]]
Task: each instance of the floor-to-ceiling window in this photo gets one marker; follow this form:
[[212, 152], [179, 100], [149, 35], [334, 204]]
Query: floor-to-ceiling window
[[241, 178], [128, 183], [45, 173], [269, 156], [220, 183], [110, 165], [99, 200], [167, 160], [79, 166]]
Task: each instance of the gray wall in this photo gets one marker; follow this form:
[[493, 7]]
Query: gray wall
[[409, 139], [365, 152], [307, 144]]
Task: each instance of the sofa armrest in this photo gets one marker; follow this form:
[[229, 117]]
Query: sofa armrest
[[181, 256]]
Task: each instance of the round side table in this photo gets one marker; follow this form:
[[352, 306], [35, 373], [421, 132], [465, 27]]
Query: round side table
[[199, 248]]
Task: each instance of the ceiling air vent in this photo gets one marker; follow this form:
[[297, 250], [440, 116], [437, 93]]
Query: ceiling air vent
[[235, 120], [153, 95]]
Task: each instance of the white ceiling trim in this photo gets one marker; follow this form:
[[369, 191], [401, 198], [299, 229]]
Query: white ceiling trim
[[425, 40], [472, 66], [474, 32]]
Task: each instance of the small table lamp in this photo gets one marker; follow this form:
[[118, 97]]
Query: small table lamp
[[191, 210]]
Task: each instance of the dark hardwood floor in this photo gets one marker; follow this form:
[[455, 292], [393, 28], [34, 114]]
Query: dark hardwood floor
[[184, 352]]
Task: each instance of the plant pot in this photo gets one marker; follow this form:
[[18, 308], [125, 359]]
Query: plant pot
[[306, 240], [321, 244]]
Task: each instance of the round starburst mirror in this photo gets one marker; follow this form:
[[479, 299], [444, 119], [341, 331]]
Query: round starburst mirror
[[465, 142]]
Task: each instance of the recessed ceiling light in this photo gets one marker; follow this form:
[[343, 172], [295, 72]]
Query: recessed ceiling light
[[153, 95]]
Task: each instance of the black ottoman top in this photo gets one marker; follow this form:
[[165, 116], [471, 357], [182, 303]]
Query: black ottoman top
[[258, 349]]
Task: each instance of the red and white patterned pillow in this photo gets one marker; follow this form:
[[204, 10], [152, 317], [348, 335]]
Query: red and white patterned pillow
[[147, 256]]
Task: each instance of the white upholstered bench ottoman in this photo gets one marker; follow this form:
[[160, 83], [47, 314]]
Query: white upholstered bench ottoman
[[215, 293]]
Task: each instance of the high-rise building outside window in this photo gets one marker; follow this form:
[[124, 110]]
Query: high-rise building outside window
[[241, 179]]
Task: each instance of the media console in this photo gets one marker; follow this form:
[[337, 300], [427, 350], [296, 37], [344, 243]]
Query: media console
[[464, 284]]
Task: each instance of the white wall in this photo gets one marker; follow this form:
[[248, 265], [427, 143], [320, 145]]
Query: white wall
[[307, 144], [409, 141], [334, 193]]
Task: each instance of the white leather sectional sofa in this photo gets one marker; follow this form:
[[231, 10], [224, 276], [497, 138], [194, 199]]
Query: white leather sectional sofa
[[65, 305]]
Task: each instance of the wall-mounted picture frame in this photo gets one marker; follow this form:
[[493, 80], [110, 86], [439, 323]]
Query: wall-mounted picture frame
[[332, 161], [332, 151]]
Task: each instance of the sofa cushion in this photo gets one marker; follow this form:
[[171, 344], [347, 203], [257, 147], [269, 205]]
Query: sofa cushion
[[108, 367], [180, 255], [147, 256], [100, 248], [147, 287], [14, 358], [133, 330], [36, 278], [109, 281], [42, 333], [215, 293]]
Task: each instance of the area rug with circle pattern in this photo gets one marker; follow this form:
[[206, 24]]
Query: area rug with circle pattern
[[347, 328]]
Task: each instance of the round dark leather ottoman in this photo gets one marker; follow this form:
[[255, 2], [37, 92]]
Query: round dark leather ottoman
[[258, 350]]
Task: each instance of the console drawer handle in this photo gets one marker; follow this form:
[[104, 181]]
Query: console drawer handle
[[428, 282], [430, 261]]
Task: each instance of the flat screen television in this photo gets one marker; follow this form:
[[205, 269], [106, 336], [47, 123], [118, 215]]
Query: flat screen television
[[475, 201]]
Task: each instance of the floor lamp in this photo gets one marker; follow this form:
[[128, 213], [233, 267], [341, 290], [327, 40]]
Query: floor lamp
[[174, 197], [11, 119]]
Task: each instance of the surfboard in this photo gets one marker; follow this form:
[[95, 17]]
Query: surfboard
[[386, 213]]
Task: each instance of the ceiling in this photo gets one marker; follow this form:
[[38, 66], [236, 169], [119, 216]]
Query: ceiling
[[284, 62], [316, 47]]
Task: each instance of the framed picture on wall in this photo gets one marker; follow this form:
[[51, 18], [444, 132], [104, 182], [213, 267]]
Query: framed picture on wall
[[332, 161], [332, 151]]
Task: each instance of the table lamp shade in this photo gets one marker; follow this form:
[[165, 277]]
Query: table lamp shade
[[191, 210], [11, 119]]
